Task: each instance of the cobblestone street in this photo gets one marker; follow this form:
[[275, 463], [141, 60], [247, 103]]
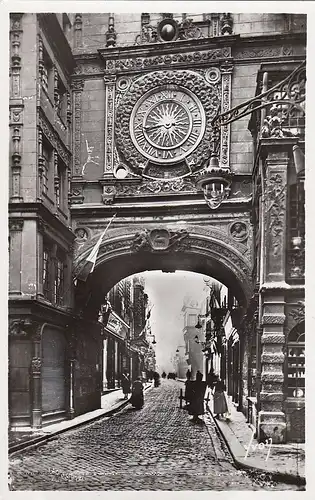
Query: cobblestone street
[[156, 448]]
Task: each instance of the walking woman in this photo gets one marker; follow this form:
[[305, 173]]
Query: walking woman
[[137, 399], [219, 400], [125, 385]]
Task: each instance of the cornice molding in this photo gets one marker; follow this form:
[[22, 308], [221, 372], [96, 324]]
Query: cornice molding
[[38, 211]]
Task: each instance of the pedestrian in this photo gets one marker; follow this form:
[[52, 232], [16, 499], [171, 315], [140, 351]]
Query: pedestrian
[[126, 384], [137, 399], [188, 387], [219, 400], [156, 377], [211, 379], [198, 389]]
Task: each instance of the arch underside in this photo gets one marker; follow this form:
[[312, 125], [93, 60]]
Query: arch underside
[[213, 257]]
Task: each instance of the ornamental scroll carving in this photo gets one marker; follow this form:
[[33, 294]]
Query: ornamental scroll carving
[[156, 187], [208, 94], [276, 210], [169, 60]]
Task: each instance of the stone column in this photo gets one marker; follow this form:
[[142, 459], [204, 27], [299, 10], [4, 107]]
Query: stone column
[[36, 382], [271, 419], [110, 82]]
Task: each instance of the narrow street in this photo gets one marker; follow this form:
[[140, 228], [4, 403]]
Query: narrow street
[[156, 448]]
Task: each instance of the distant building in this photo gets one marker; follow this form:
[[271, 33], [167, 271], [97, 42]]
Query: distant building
[[194, 354]]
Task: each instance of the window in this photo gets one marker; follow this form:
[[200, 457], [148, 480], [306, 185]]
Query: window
[[46, 274], [192, 320], [296, 362], [60, 98], [60, 175], [46, 73], [59, 282], [46, 154]]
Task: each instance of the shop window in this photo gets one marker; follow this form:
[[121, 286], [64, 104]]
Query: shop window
[[296, 362]]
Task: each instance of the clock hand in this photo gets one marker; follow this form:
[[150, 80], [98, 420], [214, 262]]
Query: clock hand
[[148, 127]]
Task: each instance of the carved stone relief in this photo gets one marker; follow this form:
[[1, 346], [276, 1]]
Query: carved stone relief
[[239, 231], [173, 60], [158, 240], [276, 189]]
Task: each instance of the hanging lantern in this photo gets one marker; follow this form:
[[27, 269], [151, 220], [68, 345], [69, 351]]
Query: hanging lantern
[[215, 181]]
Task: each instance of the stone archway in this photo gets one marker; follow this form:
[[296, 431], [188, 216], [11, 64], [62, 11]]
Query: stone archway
[[128, 250]]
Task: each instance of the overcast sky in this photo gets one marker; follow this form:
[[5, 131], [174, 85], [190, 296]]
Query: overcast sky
[[166, 293]]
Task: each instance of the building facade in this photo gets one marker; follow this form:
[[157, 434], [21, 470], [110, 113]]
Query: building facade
[[169, 121]]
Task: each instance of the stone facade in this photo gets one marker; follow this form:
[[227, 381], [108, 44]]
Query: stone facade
[[77, 158]]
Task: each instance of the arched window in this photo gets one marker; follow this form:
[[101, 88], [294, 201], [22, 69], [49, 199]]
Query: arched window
[[296, 361]]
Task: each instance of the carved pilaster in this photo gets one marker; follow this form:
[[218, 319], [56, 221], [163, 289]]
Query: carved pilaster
[[275, 216], [110, 81], [40, 163], [16, 167], [40, 67], [78, 30], [226, 71], [69, 109], [215, 24], [77, 89], [56, 87], [56, 180], [16, 31]]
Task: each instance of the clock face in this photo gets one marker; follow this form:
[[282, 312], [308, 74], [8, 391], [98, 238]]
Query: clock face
[[167, 124]]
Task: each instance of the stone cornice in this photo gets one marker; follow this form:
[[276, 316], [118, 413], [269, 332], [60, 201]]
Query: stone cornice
[[168, 47], [39, 211], [81, 55], [181, 205]]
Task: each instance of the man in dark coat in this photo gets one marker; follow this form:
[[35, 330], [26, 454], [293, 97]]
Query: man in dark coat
[[198, 390]]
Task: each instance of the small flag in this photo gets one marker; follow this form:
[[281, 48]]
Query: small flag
[[89, 264]]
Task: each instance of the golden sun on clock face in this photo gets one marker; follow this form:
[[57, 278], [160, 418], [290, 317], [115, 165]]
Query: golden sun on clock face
[[167, 124]]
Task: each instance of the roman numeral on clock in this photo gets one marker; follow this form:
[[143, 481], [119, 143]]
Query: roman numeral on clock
[[167, 154], [150, 150]]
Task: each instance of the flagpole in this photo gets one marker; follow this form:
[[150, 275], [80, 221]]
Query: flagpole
[[91, 258]]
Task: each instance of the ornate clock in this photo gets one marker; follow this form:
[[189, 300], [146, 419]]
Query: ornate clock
[[167, 124], [163, 123]]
